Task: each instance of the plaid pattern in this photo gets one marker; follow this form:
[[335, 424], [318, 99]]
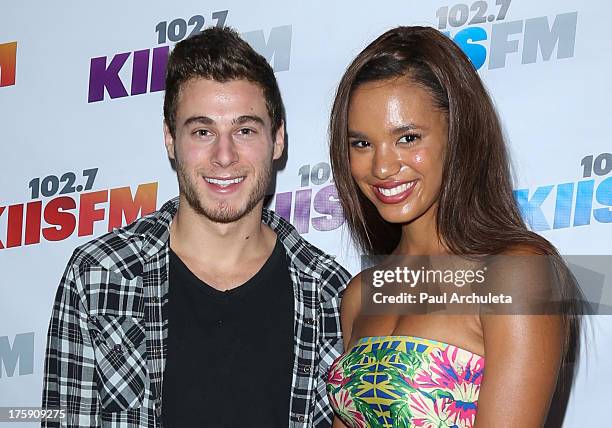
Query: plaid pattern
[[106, 348]]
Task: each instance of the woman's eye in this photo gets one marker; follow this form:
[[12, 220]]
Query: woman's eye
[[359, 144], [408, 139]]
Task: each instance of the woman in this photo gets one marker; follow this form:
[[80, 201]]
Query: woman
[[421, 168]]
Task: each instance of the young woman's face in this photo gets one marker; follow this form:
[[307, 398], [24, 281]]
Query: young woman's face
[[397, 144]]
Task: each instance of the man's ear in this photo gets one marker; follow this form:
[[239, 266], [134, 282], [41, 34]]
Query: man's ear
[[279, 141], [168, 141]]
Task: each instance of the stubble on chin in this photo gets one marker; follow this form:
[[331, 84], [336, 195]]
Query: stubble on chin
[[223, 212]]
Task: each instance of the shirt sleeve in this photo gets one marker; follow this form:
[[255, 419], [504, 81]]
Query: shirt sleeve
[[334, 283], [69, 382], [331, 345]]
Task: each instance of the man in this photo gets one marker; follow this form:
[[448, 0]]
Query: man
[[211, 311]]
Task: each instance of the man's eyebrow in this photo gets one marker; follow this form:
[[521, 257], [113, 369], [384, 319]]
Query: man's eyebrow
[[204, 120], [241, 120]]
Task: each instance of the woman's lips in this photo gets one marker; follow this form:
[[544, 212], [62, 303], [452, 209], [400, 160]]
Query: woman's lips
[[394, 192]]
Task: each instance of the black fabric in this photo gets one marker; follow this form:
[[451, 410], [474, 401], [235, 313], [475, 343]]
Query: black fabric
[[230, 354]]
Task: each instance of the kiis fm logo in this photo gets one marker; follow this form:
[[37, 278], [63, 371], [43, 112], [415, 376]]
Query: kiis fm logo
[[68, 210], [580, 196], [8, 62], [316, 202], [525, 36], [317, 195], [18, 354], [149, 65]]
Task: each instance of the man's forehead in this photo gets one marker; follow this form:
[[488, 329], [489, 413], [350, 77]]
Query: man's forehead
[[238, 94], [235, 88]]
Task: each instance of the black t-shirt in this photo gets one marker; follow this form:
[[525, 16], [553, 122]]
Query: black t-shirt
[[230, 353]]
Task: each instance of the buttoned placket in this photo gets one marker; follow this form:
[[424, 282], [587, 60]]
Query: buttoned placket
[[155, 284], [307, 317]]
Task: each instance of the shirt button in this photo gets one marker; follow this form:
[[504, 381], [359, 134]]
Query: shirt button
[[118, 349], [155, 299], [301, 418], [158, 411], [306, 369], [310, 321]]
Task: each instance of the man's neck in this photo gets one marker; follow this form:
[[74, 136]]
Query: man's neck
[[199, 239]]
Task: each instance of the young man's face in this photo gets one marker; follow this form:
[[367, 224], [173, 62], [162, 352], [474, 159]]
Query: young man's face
[[223, 147]]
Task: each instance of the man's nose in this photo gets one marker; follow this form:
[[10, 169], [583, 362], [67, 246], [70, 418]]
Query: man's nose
[[224, 152]]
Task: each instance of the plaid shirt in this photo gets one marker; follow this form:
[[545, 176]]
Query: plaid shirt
[[107, 340]]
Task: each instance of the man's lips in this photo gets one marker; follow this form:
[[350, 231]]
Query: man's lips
[[224, 184], [393, 192]]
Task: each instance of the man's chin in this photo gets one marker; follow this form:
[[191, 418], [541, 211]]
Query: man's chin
[[222, 212], [224, 217], [223, 208]]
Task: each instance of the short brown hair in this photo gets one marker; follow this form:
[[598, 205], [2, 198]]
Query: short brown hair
[[220, 54]]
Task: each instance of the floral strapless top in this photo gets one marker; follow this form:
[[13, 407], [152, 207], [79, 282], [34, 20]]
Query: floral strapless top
[[405, 381]]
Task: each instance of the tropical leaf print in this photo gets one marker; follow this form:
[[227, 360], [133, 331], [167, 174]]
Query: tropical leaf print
[[405, 382]]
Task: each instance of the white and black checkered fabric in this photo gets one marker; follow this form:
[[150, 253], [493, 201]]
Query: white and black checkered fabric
[[107, 339]]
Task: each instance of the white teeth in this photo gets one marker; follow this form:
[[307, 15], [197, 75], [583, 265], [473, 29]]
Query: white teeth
[[223, 183], [396, 190]]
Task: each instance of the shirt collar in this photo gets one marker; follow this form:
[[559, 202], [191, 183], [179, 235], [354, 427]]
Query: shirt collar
[[302, 254]]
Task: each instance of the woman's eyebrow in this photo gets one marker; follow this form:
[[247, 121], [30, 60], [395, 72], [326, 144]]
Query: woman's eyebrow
[[407, 128], [395, 130], [357, 134]]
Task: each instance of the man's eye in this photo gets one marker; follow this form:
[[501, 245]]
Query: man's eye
[[246, 131], [202, 133], [359, 144], [409, 139]]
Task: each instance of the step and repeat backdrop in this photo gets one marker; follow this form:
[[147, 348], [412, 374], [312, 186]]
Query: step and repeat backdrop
[[81, 92]]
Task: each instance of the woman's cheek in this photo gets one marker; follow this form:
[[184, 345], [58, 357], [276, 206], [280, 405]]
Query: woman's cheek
[[358, 169], [420, 161], [417, 158]]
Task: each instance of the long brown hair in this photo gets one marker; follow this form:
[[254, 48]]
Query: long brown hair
[[477, 213]]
